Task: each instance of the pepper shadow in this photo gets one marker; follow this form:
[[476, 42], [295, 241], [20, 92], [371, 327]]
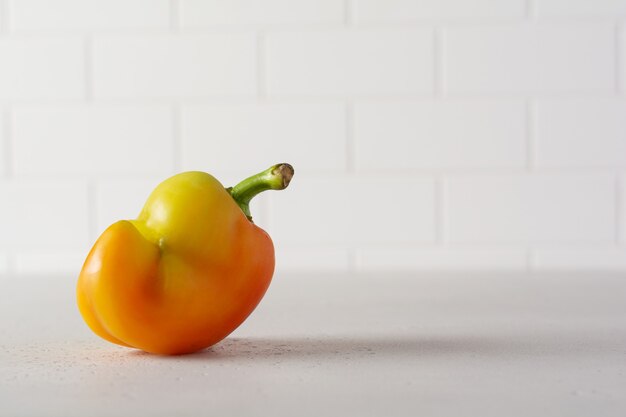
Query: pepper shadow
[[471, 345]]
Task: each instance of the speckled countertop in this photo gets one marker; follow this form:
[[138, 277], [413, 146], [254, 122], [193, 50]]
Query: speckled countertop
[[342, 345]]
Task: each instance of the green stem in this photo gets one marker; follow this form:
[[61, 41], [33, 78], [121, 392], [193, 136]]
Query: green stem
[[276, 177]]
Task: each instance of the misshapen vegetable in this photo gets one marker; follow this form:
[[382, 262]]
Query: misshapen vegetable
[[187, 271]]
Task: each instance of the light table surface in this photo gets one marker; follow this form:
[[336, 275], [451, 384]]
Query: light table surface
[[388, 345]]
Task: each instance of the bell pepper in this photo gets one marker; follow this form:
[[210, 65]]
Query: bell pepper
[[187, 271]]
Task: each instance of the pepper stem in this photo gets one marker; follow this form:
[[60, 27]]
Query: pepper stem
[[276, 177]]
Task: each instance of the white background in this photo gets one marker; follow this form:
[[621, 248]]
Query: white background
[[426, 134]]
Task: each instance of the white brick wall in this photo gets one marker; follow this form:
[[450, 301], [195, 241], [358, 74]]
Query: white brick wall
[[426, 135], [394, 11], [43, 215], [350, 62], [530, 208], [206, 13], [583, 8], [440, 259], [436, 134], [621, 217], [337, 211], [3, 142], [48, 67], [581, 133], [529, 58], [120, 199], [599, 258], [236, 137], [174, 66], [43, 15], [92, 140]]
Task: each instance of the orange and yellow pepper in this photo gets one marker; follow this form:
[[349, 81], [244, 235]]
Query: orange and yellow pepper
[[187, 271]]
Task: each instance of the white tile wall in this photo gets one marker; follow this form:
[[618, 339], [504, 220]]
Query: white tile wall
[[338, 211], [430, 134], [621, 217], [43, 215], [621, 60], [530, 208], [174, 66], [120, 199], [585, 8], [42, 15], [3, 142], [438, 259], [237, 137], [202, 13], [350, 62], [93, 140], [48, 67], [440, 135], [600, 258], [529, 58], [392, 11], [50, 263], [314, 259], [581, 133], [4, 265]]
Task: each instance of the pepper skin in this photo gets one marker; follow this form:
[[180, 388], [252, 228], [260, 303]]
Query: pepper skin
[[187, 272]]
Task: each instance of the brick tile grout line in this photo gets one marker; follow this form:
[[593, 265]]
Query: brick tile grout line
[[9, 129], [530, 134], [177, 137], [618, 209], [350, 144], [175, 16], [92, 210], [4, 17], [530, 10], [438, 209], [265, 207], [88, 69], [325, 99], [10, 141], [438, 94], [349, 23], [442, 211], [176, 107], [351, 251], [353, 264], [9, 147], [7, 17], [6, 115], [261, 68], [438, 62], [619, 202], [529, 261], [348, 11], [618, 56], [6, 143]]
